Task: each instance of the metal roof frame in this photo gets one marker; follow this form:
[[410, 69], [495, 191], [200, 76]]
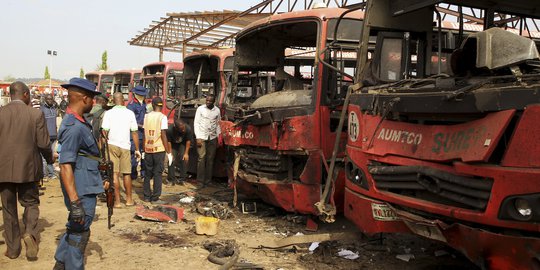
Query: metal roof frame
[[184, 32]]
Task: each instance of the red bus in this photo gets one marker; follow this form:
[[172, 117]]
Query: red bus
[[281, 131], [448, 151], [164, 79], [102, 79], [203, 71], [124, 81]]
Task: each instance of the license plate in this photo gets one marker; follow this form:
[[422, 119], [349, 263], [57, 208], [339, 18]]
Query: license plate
[[382, 212]]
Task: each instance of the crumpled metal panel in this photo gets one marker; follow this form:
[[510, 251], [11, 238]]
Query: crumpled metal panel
[[283, 99], [498, 48]]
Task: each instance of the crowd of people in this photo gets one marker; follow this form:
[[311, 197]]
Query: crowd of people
[[138, 143]]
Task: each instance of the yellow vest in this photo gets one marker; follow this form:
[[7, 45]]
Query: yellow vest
[[152, 133]]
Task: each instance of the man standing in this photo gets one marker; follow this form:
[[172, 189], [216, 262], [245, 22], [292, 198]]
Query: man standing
[[63, 106], [118, 124], [206, 126], [155, 146], [24, 136], [80, 178], [50, 111], [180, 137], [137, 106]]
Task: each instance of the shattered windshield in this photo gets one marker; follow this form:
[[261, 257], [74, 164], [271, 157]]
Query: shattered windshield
[[281, 74], [154, 86]]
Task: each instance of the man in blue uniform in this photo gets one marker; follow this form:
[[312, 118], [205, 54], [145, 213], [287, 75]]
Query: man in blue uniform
[[80, 178], [138, 107]]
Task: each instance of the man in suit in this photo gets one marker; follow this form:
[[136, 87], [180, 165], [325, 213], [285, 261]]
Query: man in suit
[[24, 136]]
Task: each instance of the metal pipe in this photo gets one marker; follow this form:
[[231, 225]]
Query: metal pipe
[[439, 41]]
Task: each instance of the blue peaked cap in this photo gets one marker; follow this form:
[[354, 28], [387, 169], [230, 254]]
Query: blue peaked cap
[[83, 84], [140, 90]]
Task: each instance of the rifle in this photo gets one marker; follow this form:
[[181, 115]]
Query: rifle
[[106, 170]]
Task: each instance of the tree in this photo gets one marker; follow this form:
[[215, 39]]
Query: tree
[[81, 73], [9, 78], [47, 75], [103, 65]]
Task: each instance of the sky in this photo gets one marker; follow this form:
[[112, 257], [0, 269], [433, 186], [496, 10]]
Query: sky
[[81, 30]]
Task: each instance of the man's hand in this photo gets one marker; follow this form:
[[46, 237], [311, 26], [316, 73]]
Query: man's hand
[[185, 158], [199, 142], [138, 155], [170, 158], [76, 212]]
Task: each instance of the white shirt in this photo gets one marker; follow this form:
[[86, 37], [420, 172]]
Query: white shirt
[[206, 123], [120, 122]]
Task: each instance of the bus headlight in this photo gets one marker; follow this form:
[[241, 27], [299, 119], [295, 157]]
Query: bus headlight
[[523, 208]]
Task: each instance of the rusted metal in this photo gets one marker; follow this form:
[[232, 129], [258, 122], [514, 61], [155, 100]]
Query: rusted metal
[[449, 157]]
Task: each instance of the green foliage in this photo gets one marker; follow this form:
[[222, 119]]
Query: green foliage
[[104, 61], [47, 75], [9, 78], [81, 73]]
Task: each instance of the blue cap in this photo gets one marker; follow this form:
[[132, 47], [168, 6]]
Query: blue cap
[[140, 90], [83, 84]]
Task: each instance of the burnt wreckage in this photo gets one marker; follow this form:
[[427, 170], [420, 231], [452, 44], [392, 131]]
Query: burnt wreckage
[[443, 140]]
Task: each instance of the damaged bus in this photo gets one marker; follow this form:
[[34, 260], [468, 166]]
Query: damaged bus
[[285, 105], [206, 72], [102, 79], [163, 79], [124, 81], [443, 137]]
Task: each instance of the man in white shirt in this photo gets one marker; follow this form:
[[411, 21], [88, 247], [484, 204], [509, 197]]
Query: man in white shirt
[[206, 127], [118, 124]]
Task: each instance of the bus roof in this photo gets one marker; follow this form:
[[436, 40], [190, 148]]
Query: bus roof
[[178, 65], [128, 71], [220, 53], [516, 7], [319, 13], [100, 72]]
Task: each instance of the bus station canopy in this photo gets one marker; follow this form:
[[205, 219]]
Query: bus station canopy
[[184, 32]]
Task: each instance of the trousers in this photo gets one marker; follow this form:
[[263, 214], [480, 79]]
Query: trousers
[[154, 169], [205, 163], [28, 195], [178, 164], [70, 250]]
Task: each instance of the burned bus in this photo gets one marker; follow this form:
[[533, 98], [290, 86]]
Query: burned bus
[[124, 81], [206, 72], [102, 79], [285, 105], [163, 79], [443, 137]]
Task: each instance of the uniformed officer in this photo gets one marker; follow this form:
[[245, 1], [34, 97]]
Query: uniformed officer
[[136, 104], [80, 178]]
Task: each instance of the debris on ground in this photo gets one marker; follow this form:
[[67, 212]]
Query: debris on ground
[[302, 239], [249, 207], [347, 254], [405, 257], [313, 246], [227, 254], [162, 213], [158, 238], [214, 209]]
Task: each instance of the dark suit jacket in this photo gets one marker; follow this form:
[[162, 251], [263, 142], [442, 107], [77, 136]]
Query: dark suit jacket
[[23, 137]]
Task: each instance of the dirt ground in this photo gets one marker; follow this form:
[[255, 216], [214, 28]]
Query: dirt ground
[[137, 244]]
